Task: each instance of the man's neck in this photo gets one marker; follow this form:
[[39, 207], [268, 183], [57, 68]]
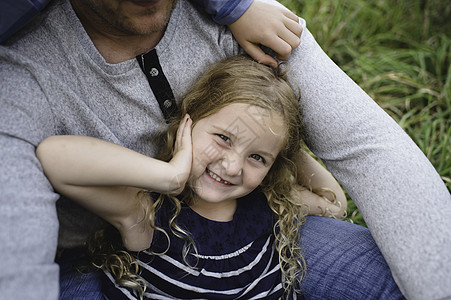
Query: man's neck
[[114, 46]]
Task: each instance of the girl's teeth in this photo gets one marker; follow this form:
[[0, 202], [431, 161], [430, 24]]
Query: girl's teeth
[[217, 178]]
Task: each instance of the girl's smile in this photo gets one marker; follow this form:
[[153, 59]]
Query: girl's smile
[[233, 151], [217, 178]]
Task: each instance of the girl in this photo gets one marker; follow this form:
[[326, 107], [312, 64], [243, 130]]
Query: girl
[[232, 158]]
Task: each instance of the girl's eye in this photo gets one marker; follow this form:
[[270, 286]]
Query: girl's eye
[[223, 137], [258, 158]]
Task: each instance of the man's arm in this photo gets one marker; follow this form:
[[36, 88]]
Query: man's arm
[[29, 230], [402, 198]]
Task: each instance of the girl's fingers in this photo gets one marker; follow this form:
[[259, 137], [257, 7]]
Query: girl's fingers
[[186, 133], [182, 158], [293, 25], [179, 134], [259, 55], [285, 35], [290, 42], [291, 15], [279, 45]]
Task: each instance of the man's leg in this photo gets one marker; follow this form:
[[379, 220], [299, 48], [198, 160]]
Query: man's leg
[[344, 262], [75, 285]]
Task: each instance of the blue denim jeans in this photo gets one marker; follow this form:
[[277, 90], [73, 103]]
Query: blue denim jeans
[[343, 262], [76, 285]]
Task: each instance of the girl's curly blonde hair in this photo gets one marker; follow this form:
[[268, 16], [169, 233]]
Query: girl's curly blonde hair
[[239, 79]]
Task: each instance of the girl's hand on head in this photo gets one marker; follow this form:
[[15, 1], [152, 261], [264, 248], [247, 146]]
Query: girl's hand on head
[[271, 25], [183, 155]]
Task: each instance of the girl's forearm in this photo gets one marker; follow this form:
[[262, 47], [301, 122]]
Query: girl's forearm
[[319, 180], [87, 161]]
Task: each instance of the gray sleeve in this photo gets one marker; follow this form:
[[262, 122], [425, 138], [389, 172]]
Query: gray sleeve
[[29, 228], [403, 200]]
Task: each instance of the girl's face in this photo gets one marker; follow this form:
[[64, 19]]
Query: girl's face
[[233, 151]]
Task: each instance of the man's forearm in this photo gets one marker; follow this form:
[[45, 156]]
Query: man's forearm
[[402, 198]]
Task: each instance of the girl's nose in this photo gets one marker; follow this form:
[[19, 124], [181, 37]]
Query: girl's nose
[[232, 164]]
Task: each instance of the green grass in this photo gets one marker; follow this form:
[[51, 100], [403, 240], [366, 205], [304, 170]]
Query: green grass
[[399, 52]]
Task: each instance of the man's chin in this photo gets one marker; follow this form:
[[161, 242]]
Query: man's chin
[[144, 25], [147, 20]]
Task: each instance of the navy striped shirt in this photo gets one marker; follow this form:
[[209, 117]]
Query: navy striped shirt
[[235, 259]]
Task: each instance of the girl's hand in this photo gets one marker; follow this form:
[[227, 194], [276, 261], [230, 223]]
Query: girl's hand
[[183, 155], [271, 25], [321, 202]]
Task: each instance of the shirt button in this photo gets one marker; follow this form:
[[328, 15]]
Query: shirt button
[[153, 72], [167, 103]]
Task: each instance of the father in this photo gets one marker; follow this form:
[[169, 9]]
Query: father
[[79, 70]]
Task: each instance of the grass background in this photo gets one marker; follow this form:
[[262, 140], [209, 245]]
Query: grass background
[[399, 52]]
